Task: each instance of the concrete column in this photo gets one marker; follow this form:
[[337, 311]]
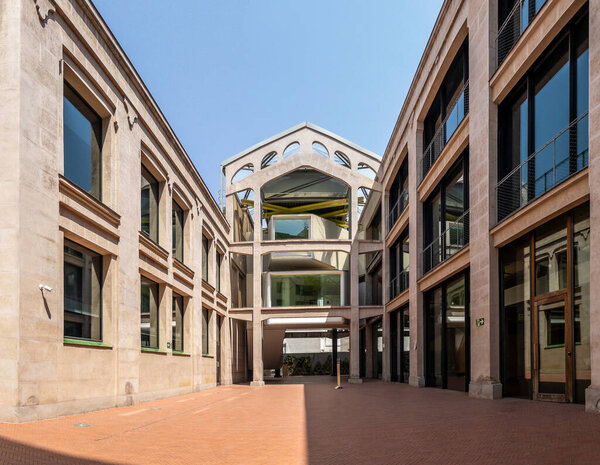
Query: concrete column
[[354, 308], [485, 359], [257, 329], [592, 393], [385, 279], [415, 230]]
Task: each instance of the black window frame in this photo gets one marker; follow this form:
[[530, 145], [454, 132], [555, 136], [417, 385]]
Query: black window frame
[[154, 187], [178, 213]]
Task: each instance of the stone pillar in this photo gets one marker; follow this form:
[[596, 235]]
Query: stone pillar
[[257, 327], [386, 360], [415, 230], [485, 347], [354, 308], [592, 393]]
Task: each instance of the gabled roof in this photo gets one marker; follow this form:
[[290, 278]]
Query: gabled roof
[[293, 129]]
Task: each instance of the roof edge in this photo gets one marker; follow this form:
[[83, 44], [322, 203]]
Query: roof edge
[[295, 128]]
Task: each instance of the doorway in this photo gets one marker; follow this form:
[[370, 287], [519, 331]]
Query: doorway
[[552, 351], [218, 348]]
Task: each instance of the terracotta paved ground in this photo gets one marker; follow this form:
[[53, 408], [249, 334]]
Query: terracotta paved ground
[[370, 423]]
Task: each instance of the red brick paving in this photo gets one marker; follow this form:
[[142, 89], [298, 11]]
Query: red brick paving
[[371, 423]]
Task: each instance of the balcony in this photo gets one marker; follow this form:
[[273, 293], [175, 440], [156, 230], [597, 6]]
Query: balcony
[[397, 209], [560, 158], [513, 27], [447, 244], [459, 109], [398, 285]]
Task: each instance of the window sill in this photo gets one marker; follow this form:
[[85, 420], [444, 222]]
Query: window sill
[[154, 351], [83, 343], [180, 354], [208, 356]]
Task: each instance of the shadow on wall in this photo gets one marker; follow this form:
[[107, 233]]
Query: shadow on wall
[[16, 453]]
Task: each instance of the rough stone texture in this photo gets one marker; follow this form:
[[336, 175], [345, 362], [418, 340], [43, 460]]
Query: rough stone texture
[[42, 376]]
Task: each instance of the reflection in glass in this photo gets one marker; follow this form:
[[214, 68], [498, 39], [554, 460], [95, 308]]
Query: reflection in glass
[[177, 227], [205, 332], [82, 129], [551, 348], [551, 257], [149, 313], [516, 324], [82, 292], [288, 290], [581, 289], [205, 248], [405, 345], [292, 228], [455, 335], [149, 205], [434, 338], [177, 323], [551, 108]]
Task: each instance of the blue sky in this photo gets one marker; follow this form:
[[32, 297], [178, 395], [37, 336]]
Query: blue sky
[[228, 74]]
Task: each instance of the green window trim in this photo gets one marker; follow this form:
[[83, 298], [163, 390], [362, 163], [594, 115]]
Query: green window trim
[[85, 343], [181, 354], [208, 355], [154, 351], [556, 346]]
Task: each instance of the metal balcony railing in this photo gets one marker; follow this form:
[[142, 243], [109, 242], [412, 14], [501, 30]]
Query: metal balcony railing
[[513, 27], [459, 109], [448, 243], [561, 157], [397, 209], [398, 284]]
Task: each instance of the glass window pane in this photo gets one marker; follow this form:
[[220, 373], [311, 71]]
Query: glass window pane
[[82, 134], [218, 271], [455, 335], [581, 283], [291, 228], [551, 257], [205, 331], [82, 292], [149, 205], [177, 226], [551, 337], [177, 323], [551, 108], [289, 290], [516, 324], [434, 338], [205, 247], [149, 313]]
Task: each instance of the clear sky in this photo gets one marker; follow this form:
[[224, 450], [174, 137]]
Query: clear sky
[[228, 74]]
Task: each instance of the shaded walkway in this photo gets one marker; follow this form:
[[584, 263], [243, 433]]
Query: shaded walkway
[[370, 423]]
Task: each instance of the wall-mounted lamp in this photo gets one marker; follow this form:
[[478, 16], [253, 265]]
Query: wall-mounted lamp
[[43, 288]]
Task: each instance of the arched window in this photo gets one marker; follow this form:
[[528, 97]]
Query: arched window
[[320, 149], [270, 159], [243, 173], [367, 171], [291, 149], [341, 159]]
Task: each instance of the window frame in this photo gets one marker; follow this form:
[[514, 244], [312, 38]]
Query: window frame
[[75, 246], [156, 286], [181, 300], [83, 107], [146, 173], [177, 212]]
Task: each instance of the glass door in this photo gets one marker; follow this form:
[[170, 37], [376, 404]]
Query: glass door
[[552, 348]]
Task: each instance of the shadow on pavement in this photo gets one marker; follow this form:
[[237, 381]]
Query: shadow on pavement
[[16, 453]]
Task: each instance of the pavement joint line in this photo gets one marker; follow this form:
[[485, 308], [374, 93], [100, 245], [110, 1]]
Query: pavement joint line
[[135, 412], [185, 400], [145, 425]]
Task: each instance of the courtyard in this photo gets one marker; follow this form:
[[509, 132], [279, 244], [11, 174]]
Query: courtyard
[[306, 421]]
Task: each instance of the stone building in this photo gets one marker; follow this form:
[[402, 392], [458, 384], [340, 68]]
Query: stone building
[[462, 259]]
